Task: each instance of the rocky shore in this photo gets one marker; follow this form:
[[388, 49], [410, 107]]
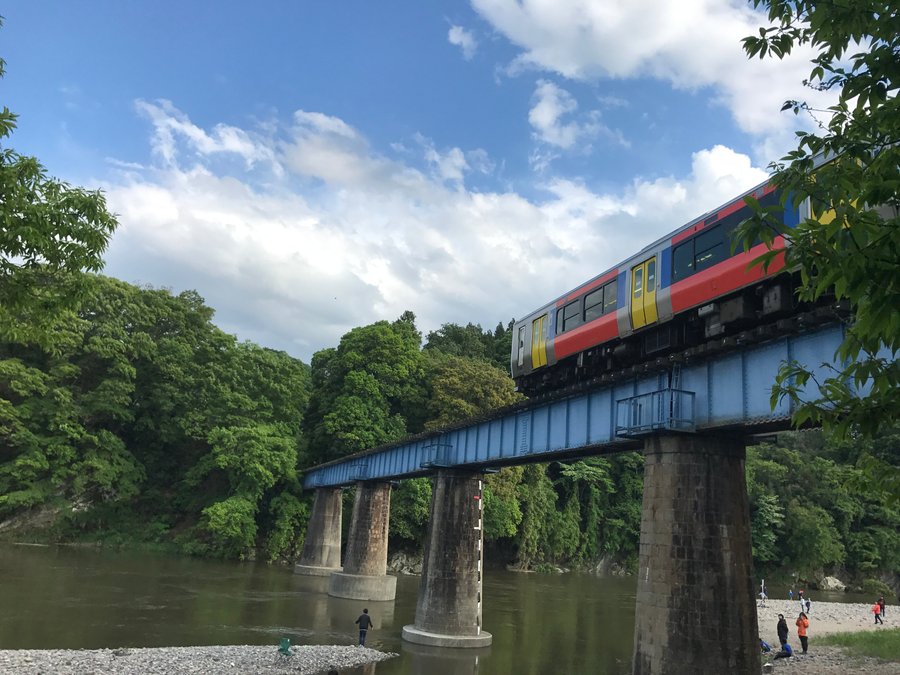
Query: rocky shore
[[825, 618], [305, 660]]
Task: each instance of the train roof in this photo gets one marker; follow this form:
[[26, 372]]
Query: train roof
[[651, 246]]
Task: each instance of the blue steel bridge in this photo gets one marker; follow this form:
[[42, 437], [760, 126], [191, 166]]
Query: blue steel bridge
[[727, 390], [689, 414]]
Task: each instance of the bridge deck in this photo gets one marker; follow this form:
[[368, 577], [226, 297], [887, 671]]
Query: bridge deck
[[730, 390]]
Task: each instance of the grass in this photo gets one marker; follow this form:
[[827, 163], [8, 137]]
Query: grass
[[882, 644]]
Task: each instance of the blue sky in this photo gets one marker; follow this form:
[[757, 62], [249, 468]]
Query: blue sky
[[310, 167]]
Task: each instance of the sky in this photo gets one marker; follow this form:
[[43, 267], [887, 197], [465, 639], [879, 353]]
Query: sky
[[310, 167]]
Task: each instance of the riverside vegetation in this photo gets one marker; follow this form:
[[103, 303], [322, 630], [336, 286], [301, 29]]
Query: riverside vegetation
[[128, 418], [144, 424]]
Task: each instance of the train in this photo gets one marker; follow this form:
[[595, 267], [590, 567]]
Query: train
[[689, 287]]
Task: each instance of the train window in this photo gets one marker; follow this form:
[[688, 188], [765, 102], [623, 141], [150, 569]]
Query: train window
[[710, 248], [560, 321], [683, 261], [651, 275], [593, 305], [572, 315], [638, 281], [713, 244], [610, 299]]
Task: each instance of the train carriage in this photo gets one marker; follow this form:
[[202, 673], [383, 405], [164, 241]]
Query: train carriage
[[681, 290]]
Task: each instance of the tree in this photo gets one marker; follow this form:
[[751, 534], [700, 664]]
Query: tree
[[849, 171], [471, 341], [49, 231], [465, 387], [145, 419], [364, 391]]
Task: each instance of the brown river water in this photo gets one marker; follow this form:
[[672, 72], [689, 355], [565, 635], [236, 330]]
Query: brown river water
[[70, 598]]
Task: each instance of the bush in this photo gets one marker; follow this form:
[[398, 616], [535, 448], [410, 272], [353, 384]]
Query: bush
[[876, 587]]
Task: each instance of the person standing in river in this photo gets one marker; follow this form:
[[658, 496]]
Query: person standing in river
[[365, 622], [802, 625], [782, 630]]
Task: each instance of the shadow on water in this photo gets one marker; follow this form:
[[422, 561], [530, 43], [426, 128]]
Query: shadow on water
[[65, 597]]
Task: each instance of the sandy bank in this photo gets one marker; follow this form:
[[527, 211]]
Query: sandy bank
[[825, 618]]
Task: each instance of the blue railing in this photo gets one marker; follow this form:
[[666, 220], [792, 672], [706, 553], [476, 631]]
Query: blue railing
[[663, 410], [437, 455]]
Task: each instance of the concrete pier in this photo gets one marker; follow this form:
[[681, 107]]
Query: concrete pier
[[695, 609], [364, 576], [321, 553], [448, 611]]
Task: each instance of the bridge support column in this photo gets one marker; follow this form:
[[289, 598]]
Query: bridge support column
[[365, 564], [448, 611], [322, 547], [695, 610]]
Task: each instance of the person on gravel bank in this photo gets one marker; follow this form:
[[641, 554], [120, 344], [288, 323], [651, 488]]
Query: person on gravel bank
[[365, 622], [782, 630], [876, 610], [802, 625]]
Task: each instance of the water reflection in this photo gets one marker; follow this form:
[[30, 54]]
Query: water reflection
[[83, 598], [425, 660]]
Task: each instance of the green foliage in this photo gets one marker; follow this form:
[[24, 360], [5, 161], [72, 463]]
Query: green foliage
[[363, 390], [882, 644], [144, 411], [502, 510], [410, 507], [462, 388], [253, 457], [852, 249], [766, 525], [49, 233], [812, 533], [876, 587], [473, 342], [807, 513], [537, 500], [231, 525], [290, 516]]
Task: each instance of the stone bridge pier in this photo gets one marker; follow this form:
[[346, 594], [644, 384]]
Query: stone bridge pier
[[448, 610], [364, 576], [321, 553], [696, 608]]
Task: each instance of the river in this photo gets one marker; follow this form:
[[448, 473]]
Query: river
[[68, 598]]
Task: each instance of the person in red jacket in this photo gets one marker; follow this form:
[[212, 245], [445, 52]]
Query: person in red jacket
[[876, 610], [802, 625]]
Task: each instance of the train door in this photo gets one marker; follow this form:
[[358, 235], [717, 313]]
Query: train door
[[643, 293], [539, 342]]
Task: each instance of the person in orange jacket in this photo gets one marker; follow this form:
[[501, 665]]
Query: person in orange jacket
[[802, 625], [876, 610]]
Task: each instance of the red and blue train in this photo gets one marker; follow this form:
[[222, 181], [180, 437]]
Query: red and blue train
[[684, 289]]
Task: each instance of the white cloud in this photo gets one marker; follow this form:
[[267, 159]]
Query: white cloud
[[171, 125], [551, 104], [293, 263], [464, 39], [690, 44]]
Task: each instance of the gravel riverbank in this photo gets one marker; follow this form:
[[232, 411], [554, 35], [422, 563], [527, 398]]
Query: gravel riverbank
[[824, 617], [306, 660]]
